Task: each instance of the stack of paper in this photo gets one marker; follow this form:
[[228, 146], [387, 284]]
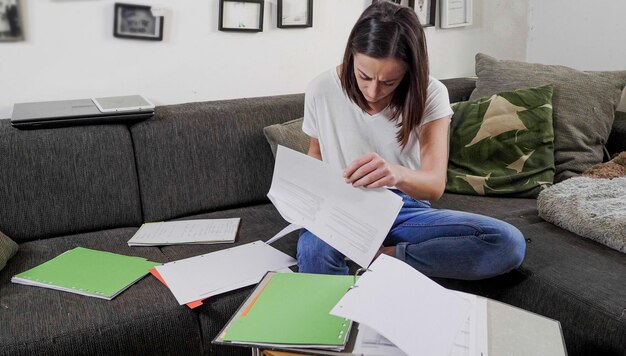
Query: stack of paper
[[291, 310], [205, 231], [196, 278], [88, 272]]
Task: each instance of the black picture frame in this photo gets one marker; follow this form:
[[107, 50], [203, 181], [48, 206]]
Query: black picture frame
[[294, 20], [137, 22], [247, 18], [426, 10], [11, 21]]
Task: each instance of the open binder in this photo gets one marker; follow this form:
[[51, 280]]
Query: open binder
[[414, 314], [291, 310]]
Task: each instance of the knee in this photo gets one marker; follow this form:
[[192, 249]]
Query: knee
[[513, 247], [316, 256]]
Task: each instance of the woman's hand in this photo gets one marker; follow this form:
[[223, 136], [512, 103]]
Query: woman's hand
[[371, 171]]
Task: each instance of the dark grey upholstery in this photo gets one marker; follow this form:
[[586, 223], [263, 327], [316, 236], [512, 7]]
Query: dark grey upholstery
[[145, 319], [258, 222], [574, 280], [206, 156], [617, 139], [204, 160], [69, 180]]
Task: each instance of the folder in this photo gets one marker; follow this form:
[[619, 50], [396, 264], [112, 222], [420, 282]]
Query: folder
[[87, 272], [291, 310]]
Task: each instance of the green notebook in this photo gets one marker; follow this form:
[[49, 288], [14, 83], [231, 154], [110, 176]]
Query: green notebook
[[292, 310], [88, 272]]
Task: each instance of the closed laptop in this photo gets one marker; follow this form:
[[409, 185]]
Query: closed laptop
[[120, 109]]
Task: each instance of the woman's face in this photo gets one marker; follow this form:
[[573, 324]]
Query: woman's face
[[378, 78]]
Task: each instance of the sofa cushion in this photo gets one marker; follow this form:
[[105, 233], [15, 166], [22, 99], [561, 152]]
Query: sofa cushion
[[584, 105], [503, 144], [288, 134], [258, 222], [617, 139], [66, 180], [206, 156], [145, 319], [8, 248], [563, 276]]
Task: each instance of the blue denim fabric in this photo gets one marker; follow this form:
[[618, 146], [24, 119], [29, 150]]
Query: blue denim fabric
[[436, 242]]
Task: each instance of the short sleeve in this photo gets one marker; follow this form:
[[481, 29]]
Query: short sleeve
[[437, 102], [309, 125]]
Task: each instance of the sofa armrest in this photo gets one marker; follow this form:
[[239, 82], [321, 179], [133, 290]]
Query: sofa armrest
[[617, 139], [459, 89]]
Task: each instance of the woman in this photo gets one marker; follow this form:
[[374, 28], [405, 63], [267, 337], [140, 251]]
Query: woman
[[382, 119]]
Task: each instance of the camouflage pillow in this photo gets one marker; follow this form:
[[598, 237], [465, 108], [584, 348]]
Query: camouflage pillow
[[502, 145]]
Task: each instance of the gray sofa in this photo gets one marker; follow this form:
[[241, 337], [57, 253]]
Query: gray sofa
[[93, 186]]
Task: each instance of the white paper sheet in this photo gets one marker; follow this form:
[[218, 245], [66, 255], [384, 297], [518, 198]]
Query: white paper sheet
[[213, 273], [406, 307], [288, 229], [203, 231], [471, 340], [312, 194]]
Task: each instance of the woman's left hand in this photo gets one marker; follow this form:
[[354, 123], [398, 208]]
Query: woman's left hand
[[371, 171]]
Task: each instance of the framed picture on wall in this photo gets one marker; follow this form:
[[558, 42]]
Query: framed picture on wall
[[295, 13], [425, 9], [138, 22], [10, 21], [241, 15], [456, 13]]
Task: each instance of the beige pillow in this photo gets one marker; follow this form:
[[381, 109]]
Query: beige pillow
[[584, 105], [8, 248], [288, 134]]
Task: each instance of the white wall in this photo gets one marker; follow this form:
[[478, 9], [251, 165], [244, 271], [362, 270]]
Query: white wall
[[70, 52], [586, 35], [579, 34]]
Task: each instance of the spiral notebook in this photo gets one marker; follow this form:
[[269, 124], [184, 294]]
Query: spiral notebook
[[291, 310], [87, 272]]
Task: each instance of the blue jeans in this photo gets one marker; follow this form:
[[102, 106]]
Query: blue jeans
[[436, 242]]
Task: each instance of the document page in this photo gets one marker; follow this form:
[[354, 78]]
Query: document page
[[471, 340], [200, 277], [312, 194], [417, 315], [203, 231]]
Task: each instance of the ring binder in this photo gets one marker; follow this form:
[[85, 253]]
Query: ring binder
[[290, 311], [356, 274]]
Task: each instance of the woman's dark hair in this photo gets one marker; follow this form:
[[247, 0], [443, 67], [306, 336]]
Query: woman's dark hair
[[387, 30]]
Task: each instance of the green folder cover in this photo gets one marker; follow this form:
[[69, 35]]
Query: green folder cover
[[293, 309], [88, 272]]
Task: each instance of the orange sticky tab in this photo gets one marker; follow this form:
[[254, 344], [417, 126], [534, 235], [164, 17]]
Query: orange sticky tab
[[247, 310], [194, 304], [158, 276]]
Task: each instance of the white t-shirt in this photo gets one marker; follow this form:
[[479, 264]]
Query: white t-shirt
[[345, 132]]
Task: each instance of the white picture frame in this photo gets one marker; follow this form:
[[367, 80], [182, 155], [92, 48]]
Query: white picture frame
[[456, 13]]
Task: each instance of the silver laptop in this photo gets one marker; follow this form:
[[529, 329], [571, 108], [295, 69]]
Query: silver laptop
[[117, 109]]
